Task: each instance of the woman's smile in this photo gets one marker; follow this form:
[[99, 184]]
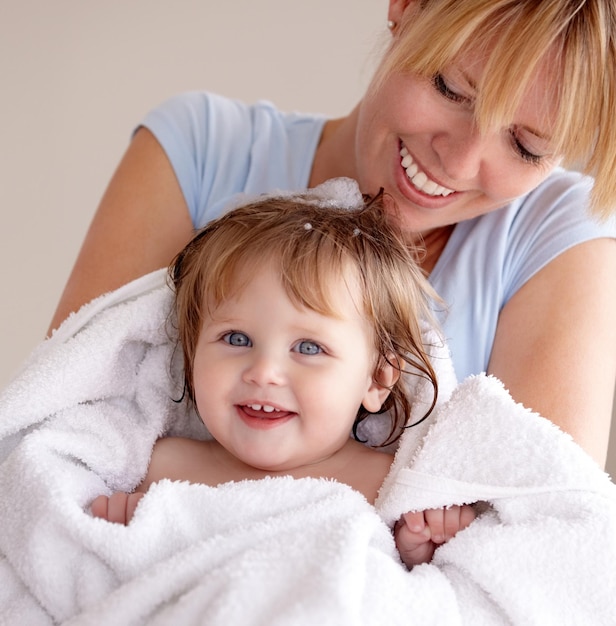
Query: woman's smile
[[419, 179]]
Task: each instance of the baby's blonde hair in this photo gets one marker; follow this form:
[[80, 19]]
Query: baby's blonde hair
[[517, 36], [314, 248]]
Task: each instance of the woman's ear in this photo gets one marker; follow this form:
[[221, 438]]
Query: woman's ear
[[384, 378], [397, 8]]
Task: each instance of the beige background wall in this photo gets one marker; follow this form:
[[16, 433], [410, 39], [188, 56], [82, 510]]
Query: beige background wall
[[77, 75]]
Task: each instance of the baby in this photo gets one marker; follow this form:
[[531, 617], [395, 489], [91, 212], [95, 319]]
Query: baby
[[298, 321]]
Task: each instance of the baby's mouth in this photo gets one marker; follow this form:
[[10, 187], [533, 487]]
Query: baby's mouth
[[266, 408], [264, 411]]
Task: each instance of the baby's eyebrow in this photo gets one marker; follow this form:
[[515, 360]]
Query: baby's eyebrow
[[222, 321]]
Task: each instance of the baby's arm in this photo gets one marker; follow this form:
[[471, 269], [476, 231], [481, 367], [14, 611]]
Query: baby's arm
[[169, 459], [418, 534], [119, 507]]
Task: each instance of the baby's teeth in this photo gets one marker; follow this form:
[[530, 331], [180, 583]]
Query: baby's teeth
[[266, 408]]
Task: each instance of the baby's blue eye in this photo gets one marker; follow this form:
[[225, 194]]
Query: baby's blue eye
[[237, 339], [308, 347]]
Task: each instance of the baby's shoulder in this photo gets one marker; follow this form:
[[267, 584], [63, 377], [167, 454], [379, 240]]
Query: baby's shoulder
[[175, 458], [170, 447], [367, 469]]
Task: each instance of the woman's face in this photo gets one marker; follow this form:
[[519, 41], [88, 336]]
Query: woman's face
[[417, 138]]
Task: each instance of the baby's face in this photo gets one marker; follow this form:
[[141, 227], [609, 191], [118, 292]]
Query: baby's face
[[279, 385]]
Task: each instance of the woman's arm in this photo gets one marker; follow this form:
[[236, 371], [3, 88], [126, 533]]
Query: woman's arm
[[141, 223], [555, 344]]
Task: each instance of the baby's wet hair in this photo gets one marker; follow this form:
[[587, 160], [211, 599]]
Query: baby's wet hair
[[314, 247]]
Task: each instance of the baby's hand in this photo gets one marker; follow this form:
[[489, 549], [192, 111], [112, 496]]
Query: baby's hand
[[418, 534], [119, 507]]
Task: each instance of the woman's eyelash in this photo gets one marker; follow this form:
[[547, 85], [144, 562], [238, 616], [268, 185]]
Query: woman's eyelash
[[528, 156], [441, 86]]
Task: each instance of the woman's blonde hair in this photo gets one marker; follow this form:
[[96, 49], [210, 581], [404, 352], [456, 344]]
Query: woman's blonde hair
[[313, 247], [518, 35]]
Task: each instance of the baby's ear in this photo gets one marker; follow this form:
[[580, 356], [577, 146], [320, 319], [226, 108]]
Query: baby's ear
[[384, 378]]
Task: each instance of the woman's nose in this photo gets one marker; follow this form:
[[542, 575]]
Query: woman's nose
[[264, 369], [462, 152]]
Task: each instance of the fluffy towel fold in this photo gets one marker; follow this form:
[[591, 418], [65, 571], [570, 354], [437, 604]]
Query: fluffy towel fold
[[81, 418]]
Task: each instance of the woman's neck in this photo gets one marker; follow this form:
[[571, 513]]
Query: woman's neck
[[430, 246], [334, 156]]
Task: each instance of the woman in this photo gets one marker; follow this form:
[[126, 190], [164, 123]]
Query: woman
[[472, 111]]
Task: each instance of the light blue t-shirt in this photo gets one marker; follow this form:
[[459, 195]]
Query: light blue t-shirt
[[220, 148]]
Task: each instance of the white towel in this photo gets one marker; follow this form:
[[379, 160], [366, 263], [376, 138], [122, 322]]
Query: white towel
[[81, 417]]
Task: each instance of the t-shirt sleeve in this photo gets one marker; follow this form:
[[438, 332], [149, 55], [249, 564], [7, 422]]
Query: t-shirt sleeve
[[223, 149], [489, 258], [536, 237], [207, 139]]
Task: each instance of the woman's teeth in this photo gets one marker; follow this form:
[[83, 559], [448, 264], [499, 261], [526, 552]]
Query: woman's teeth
[[420, 181]]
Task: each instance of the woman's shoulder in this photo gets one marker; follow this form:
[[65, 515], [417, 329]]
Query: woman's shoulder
[[490, 257], [206, 108], [220, 146], [562, 188], [555, 215], [555, 211]]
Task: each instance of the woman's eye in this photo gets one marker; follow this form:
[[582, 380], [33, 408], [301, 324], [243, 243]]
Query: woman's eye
[[440, 84], [526, 154], [308, 347], [237, 339]]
